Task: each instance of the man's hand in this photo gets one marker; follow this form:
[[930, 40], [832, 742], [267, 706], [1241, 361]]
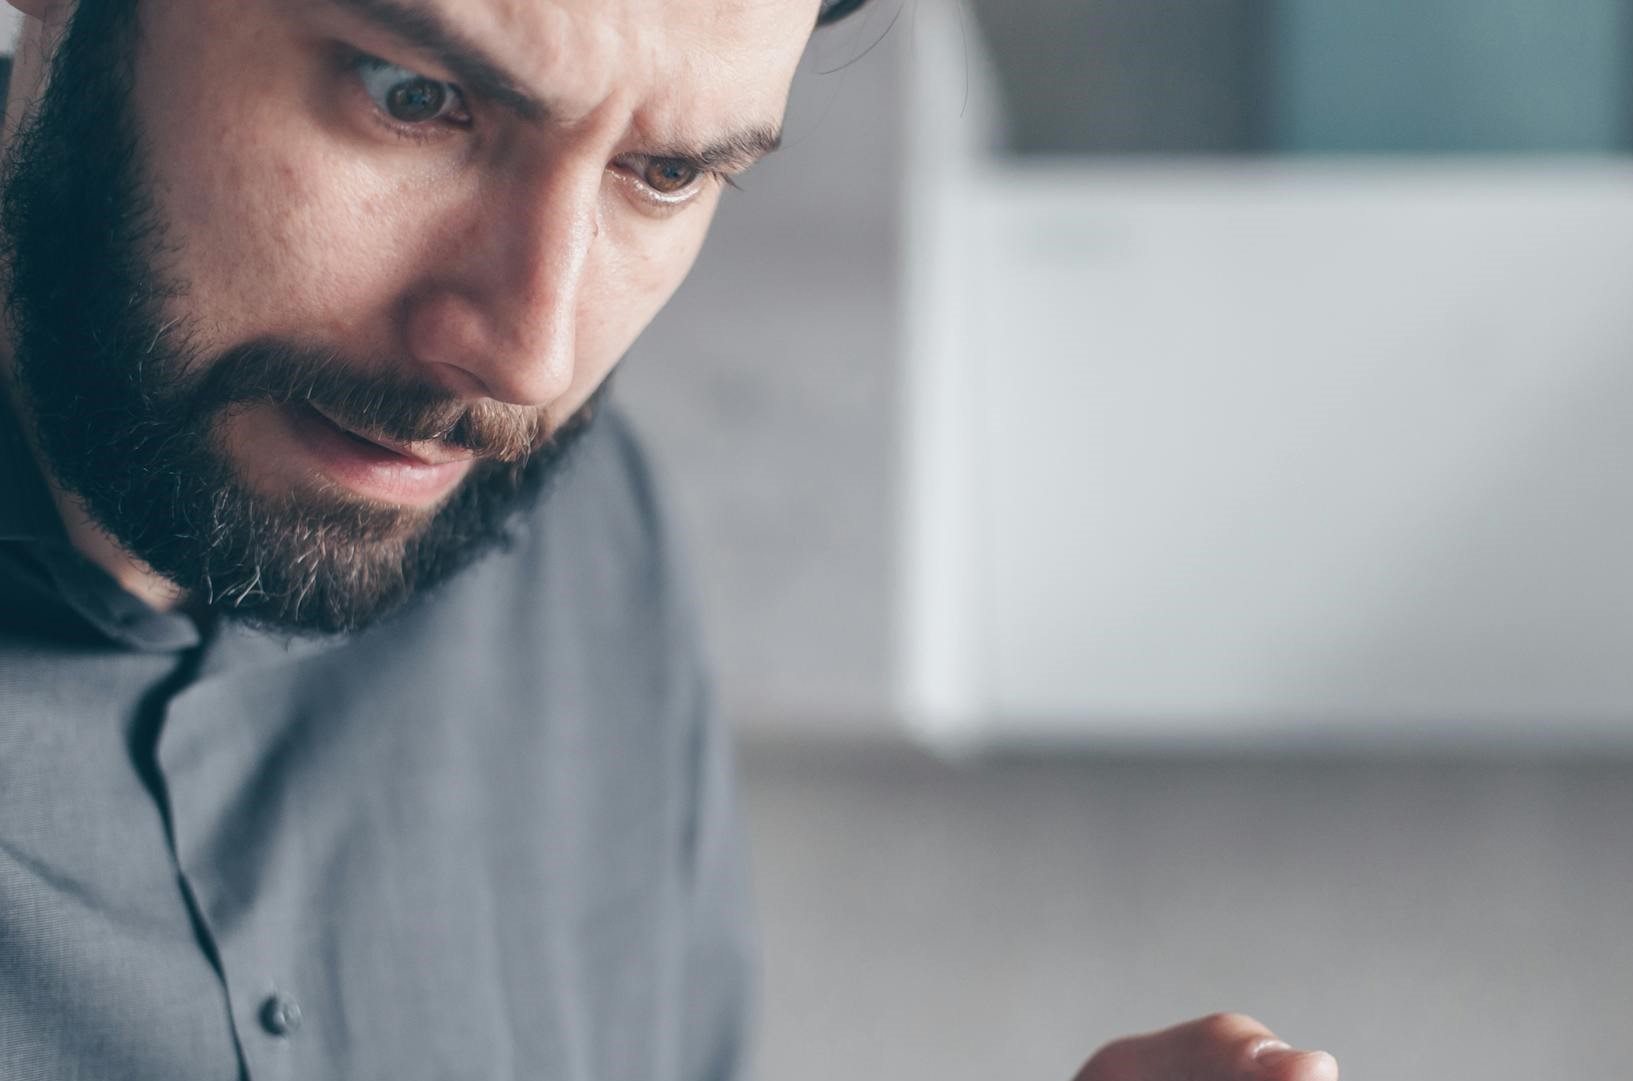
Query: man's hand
[[1222, 1047]]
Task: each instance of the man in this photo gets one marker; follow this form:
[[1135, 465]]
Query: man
[[350, 720]]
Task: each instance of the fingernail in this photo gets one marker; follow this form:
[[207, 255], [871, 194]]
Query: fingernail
[[1277, 1054], [1271, 1050]]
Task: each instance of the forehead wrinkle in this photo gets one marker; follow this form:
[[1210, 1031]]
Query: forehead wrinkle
[[743, 115], [576, 54], [623, 53]]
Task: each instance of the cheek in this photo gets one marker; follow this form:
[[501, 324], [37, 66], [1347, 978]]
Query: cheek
[[635, 278], [278, 240], [268, 227]]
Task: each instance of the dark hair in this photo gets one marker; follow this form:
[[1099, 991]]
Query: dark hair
[[834, 10]]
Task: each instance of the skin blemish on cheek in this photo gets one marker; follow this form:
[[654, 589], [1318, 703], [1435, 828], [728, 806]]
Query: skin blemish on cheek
[[290, 181]]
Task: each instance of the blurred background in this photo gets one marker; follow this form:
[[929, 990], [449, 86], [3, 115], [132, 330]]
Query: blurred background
[[1158, 476]]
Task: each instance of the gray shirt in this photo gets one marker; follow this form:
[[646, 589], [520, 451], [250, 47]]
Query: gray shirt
[[492, 837]]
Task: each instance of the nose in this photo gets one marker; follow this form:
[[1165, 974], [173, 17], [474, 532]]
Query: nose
[[499, 318]]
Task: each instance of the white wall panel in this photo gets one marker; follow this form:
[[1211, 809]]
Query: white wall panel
[[1299, 449]]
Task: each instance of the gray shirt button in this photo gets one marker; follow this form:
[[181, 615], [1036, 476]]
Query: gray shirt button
[[280, 1015]]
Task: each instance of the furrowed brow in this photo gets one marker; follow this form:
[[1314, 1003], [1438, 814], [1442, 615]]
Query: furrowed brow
[[734, 153], [422, 29]]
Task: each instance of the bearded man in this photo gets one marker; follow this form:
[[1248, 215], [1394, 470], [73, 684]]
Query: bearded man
[[351, 721]]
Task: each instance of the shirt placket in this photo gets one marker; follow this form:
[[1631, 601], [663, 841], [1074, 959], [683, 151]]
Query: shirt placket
[[209, 756]]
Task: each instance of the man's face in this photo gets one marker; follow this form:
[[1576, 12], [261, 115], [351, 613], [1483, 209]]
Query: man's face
[[367, 262]]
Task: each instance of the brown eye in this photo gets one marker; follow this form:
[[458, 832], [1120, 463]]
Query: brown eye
[[669, 176], [407, 96], [416, 101]]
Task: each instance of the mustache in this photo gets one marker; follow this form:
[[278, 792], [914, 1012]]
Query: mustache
[[368, 400]]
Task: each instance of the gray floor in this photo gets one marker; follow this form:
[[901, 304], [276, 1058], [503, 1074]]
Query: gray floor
[[1422, 920]]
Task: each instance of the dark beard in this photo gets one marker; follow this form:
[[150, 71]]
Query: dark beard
[[123, 427]]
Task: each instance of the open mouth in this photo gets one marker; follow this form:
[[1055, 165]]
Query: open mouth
[[424, 451], [346, 433], [417, 473]]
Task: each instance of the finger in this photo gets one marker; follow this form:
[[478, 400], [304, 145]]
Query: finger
[[1221, 1046]]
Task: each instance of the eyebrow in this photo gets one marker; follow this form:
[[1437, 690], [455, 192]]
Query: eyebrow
[[423, 30]]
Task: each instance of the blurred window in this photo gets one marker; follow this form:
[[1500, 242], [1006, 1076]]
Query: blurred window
[[1314, 76]]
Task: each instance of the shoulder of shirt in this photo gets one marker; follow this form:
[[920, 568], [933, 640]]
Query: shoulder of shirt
[[607, 506], [631, 458]]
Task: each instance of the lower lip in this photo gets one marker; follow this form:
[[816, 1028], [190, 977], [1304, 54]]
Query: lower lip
[[369, 470]]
